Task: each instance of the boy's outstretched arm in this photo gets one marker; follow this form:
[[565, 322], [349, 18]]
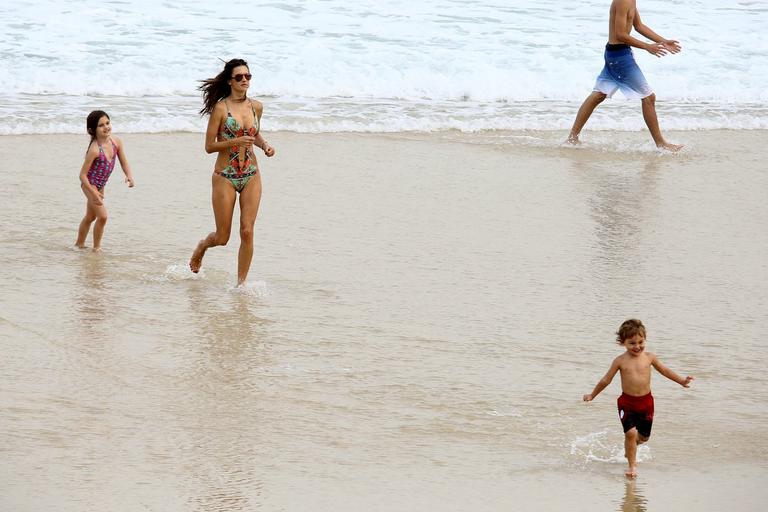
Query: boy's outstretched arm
[[671, 375], [603, 383]]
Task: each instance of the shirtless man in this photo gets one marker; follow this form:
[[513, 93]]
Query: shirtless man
[[621, 70]]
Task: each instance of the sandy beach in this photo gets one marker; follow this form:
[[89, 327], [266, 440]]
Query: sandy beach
[[423, 314]]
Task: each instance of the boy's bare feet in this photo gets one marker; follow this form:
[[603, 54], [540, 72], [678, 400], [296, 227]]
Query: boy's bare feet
[[196, 261], [631, 472], [573, 139], [97, 249], [670, 147], [80, 246]]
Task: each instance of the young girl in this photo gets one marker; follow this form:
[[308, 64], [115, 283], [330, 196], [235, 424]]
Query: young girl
[[98, 165]]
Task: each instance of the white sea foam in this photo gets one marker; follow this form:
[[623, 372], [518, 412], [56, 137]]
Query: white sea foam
[[371, 66], [601, 447], [259, 289], [175, 273], [508, 414]]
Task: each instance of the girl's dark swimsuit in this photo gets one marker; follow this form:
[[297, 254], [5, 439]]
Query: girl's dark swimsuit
[[241, 168]]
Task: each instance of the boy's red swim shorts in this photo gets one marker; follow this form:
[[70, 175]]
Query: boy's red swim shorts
[[636, 411]]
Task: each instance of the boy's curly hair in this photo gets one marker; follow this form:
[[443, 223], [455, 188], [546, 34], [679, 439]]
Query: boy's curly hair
[[628, 329]]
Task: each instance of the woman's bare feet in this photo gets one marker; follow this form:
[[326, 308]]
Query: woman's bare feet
[[196, 261]]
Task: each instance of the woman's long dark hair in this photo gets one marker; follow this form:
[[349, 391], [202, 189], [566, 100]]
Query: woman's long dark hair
[[217, 87]]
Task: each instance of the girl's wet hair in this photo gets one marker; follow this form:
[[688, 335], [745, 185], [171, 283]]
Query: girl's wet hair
[[217, 87], [628, 329]]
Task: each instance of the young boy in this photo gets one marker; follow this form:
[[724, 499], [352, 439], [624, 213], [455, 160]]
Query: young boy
[[636, 402]]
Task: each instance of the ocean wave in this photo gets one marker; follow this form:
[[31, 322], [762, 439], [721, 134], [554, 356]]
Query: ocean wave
[[334, 66], [55, 114]]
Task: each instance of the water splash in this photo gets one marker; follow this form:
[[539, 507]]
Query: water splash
[[602, 447], [259, 289]]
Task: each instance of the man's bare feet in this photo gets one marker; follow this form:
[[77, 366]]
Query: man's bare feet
[[670, 147], [81, 246], [573, 139], [196, 261], [631, 472], [97, 249]]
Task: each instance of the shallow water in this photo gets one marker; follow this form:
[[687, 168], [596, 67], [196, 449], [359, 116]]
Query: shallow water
[[422, 317]]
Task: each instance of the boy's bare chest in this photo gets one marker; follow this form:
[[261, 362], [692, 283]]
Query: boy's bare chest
[[637, 365]]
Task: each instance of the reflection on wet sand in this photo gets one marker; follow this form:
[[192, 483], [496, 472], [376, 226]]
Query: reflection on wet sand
[[233, 334], [633, 500], [621, 201], [91, 303], [225, 426]]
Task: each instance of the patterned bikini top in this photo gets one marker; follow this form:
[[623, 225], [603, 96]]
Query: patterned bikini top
[[239, 156]]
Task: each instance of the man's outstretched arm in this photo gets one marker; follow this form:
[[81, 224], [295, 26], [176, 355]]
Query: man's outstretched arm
[[669, 44], [622, 30]]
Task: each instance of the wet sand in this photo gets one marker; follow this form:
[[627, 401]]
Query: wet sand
[[423, 314]]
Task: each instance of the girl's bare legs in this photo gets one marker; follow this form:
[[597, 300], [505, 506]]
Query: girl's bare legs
[[98, 227], [250, 198], [96, 213], [582, 116], [85, 226], [223, 196]]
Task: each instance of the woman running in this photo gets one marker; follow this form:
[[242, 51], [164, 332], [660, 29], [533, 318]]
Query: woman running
[[233, 130]]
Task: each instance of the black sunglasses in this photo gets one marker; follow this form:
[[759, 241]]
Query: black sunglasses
[[239, 77]]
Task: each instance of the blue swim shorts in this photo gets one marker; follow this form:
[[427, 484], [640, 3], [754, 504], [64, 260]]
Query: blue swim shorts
[[622, 72]]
